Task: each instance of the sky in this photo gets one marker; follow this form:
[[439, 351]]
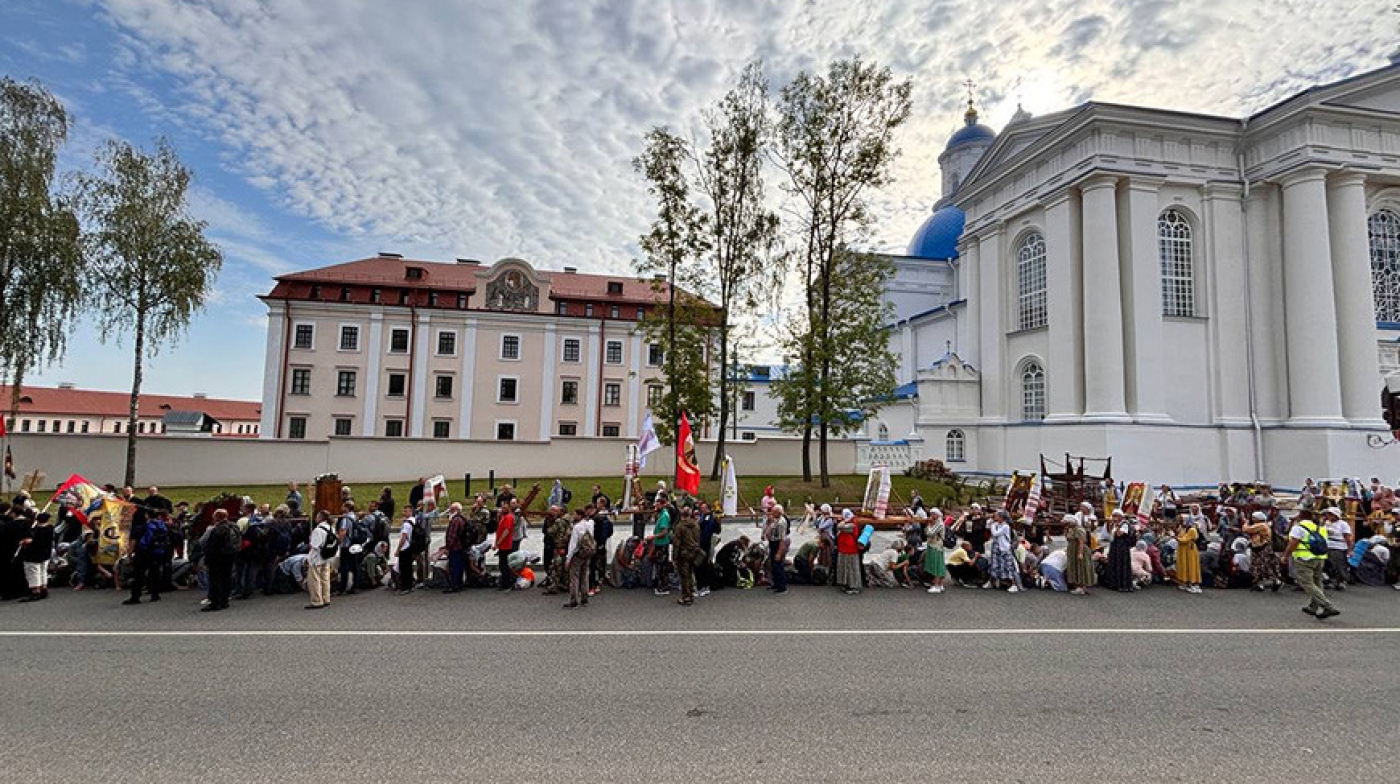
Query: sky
[[321, 131]]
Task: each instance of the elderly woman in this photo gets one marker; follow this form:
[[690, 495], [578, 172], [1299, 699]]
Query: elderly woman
[[1263, 561], [1120, 549], [934, 567], [847, 554], [1002, 568], [1080, 573], [1188, 558], [1141, 565], [1371, 570]]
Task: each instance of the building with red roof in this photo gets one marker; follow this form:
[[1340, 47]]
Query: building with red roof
[[66, 409]]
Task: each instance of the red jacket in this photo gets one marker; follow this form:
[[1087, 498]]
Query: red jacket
[[847, 544], [505, 530]]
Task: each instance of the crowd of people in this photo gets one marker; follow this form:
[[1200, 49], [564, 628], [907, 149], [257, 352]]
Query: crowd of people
[[677, 543]]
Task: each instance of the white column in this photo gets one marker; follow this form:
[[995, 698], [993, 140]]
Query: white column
[[375, 347], [422, 354], [591, 383], [1310, 311], [548, 381], [969, 324], [272, 394], [991, 330], [1265, 275], [1144, 353], [464, 414], [1220, 263], [1356, 310], [1065, 365], [1104, 395], [635, 401]]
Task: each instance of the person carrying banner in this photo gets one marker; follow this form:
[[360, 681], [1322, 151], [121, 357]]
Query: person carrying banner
[[149, 554]]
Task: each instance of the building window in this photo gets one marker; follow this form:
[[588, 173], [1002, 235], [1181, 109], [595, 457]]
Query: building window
[[568, 428], [1178, 279], [85, 426], [748, 435], [588, 310], [345, 383], [613, 355], [24, 426], [1030, 282], [569, 394], [461, 301], [612, 394], [116, 427], [44, 425], [614, 287], [447, 344], [1384, 230], [315, 291], [301, 381], [506, 391], [748, 401], [562, 308], [641, 313], [954, 447], [393, 428], [398, 341], [432, 299], [614, 312], [444, 388], [654, 392], [403, 296], [344, 293], [612, 431], [376, 296], [397, 383], [304, 336], [349, 338], [505, 431], [572, 349], [442, 429], [882, 433], [72, 426], [1032, 391], [655, 356], [342, 426], [510, 347], [296, 427]]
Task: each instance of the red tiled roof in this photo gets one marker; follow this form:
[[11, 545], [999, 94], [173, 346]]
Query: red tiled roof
[[382, 271], [95, 403]]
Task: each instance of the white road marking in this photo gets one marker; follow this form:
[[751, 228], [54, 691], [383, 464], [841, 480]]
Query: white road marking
[[689, 632]]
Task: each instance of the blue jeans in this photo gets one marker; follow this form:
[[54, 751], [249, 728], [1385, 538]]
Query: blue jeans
[[1055, 577], [778, 566], [456, 567]]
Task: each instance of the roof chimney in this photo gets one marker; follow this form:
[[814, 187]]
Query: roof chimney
[[66, 385], [661, 276], [384, 254], [473, 262], [201, 395], [571, 270]]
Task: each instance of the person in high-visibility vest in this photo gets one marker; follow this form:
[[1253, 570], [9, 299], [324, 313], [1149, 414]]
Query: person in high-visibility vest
[[1307, 546]]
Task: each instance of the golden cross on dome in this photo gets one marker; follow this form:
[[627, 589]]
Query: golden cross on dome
[[971, 87]]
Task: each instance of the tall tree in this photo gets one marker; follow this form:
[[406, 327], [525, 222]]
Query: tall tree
[[742, 231], [834, 139], [152, 267], [672, 247], [41, 261]]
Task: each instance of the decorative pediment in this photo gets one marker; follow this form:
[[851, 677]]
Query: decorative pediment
[[1379, 92], [513, 285], [949, 367]]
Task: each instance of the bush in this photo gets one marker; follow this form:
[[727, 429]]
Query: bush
[[932, 470]]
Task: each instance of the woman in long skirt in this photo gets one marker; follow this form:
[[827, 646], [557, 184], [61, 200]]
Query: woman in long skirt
[[1079, 571], [933, 553], [1003, 561], [1188, 559], [1120, 552], [848, 576]]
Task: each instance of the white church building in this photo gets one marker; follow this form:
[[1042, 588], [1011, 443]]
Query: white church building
[[1202, 298]]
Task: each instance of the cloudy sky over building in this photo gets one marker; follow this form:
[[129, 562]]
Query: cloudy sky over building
[[325, 131]]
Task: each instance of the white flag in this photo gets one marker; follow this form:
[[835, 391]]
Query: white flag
[[648, 443], [729, 490]]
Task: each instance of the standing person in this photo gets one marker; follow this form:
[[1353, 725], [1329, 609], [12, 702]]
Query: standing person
[[386, 504], [578, 557], [1263, 561], [294, 501], [35, 550], [660, 539], [1002, 567], [688, 552], [456, 548], [404, 551], [1079, 573], [219, 554], [558, 533], [1307, 546], [505, 542], [149, 554], [423, 538], [934, 567], [602, 534], [1120, 552], [253, 557], [349, 560], [776, 534], [1339, 543], [710, 531], [600, 501], [848, 577], [1188, 558], [324, 547]]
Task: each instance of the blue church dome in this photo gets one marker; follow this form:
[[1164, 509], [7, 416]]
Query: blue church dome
[[971, 133], [938, 237]]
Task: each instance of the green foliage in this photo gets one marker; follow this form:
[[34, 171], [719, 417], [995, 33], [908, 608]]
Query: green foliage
[[152, 267], [685, 351], [41, 263]]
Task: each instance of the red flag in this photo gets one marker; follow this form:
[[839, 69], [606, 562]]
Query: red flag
[[2, 426], [687, 472], [9, 463]]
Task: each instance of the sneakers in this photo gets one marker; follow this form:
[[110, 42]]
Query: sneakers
[[936, 589], [1328, 613], [1013, 589], [1310, 611], [662, 592], [1194, 589], [706, 592]]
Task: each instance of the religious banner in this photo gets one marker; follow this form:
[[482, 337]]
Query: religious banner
[[81, 496], [434, 492], [687, 470], [877, 492], [1133, 498], [112, 519], [729, 489], [1032, 506], [647, 443], [1017, 492], [1110, 498]]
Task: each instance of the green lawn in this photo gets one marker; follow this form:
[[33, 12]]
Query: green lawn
[[789, 490]]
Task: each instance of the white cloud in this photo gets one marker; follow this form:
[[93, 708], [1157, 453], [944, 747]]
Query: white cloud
[[506, 128]]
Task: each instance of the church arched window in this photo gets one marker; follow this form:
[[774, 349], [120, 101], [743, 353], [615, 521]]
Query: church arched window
[[955, 447], [883, 432], [1030, 282], [1384, 231], [1032, 391], [1174, 252]]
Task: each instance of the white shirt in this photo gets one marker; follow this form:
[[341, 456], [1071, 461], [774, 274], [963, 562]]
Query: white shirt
[[1337, 533], [1056, 560], [406, 536], [576, 535], [318, 538]]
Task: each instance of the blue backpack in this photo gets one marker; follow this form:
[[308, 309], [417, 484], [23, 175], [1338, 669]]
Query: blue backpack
[[1316, 541], [156, 539]]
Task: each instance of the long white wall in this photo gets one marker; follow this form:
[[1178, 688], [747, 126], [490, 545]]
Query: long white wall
[[205, 461]]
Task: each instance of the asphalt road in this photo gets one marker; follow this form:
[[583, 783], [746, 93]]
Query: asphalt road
[[745, 686]]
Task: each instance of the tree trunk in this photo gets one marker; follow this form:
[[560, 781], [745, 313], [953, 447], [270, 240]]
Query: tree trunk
[[130, 479], [807, 452], [723, 397], [821, 457]]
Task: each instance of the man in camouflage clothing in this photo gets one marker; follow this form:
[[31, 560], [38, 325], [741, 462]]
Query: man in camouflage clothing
[[556, 541], [688, 553]]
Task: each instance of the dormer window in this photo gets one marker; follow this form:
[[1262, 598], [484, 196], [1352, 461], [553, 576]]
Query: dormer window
[[413, 273], [376, 295], [315, 291], [344, 293], [461, 301], [614, 287], [432, 299], [403, 296]]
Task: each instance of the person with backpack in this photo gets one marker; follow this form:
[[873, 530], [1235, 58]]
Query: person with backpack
[[558, 533], [149, 555], [504, 542], [602, 535], [456, 548], [34, 552], [579, 557], [660, 540], [350, 556], [223, 546], [688, 554], [324, 546], [404, 551], [1307, 546], [253, 555]]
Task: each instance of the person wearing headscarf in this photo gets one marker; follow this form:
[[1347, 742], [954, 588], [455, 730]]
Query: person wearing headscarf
[[848, 577], [1002, 567], [1241, 564], [1141, 564], [1263, 561], [1080, 573], [1120, 549], [1374, 562], [1188, 558], [934, 567]]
